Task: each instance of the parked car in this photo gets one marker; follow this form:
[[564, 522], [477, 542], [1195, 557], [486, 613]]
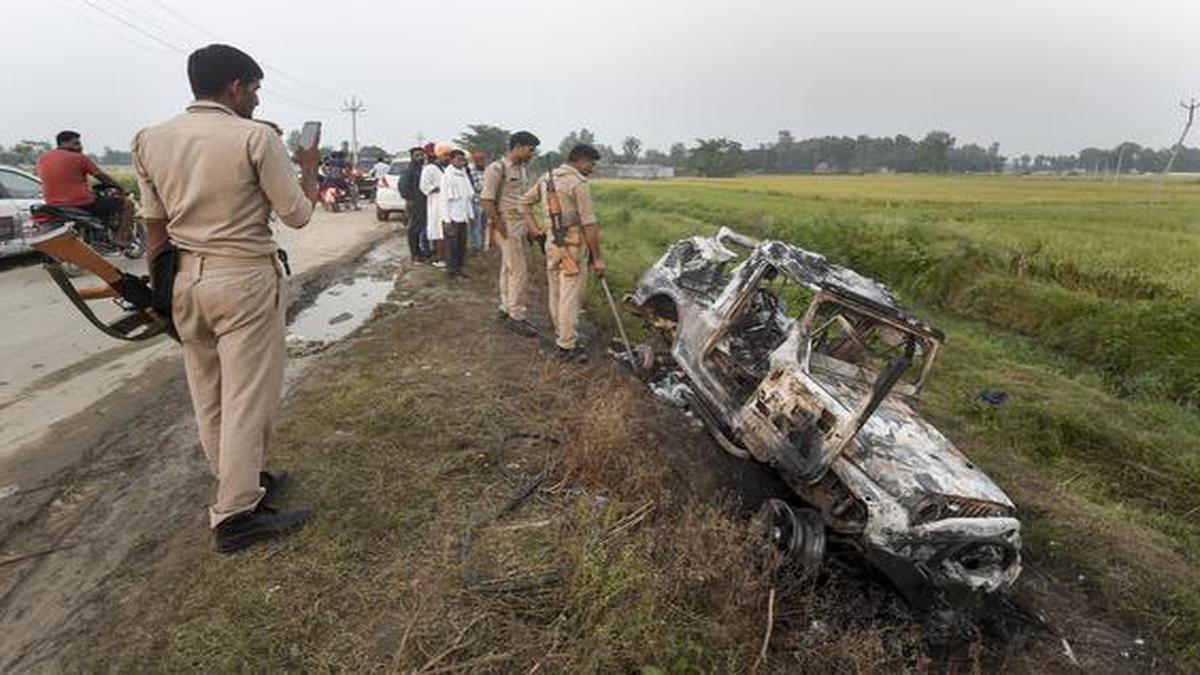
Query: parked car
[[19, 191], [825, 394], [387, 193]]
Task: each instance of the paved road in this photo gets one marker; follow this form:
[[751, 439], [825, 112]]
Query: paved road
[[53, 364]]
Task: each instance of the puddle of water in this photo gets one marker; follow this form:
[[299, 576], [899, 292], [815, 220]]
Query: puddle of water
[[340, 309]]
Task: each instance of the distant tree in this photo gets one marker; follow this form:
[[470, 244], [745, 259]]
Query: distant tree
[[292, 140], [113, 157], [373, 152], [678, 154], [490, 139], [575, 138], [716, 157], [659, 157], [607, 154], [933, 152], [26, 152], [631, 147]]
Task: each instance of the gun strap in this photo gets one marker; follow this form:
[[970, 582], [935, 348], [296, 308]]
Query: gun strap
[[128, 322]]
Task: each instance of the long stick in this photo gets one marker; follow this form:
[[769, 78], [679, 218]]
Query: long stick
[[620, 327]]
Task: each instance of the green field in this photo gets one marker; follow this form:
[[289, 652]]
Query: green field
[[1077, 298]]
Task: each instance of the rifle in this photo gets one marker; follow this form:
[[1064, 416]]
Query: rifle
[[558, 231]]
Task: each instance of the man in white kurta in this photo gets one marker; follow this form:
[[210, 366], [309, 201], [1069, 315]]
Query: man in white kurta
[[458, 195], [431, 187]]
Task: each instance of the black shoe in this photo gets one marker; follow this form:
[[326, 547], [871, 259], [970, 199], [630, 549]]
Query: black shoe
[[501, 315], [575, 355], [521, 327], [261, 524], [273, 482]]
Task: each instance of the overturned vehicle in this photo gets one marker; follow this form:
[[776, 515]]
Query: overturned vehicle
[[825, 398]]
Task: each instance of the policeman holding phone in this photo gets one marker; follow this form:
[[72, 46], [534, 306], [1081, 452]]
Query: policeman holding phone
[[209, 180]]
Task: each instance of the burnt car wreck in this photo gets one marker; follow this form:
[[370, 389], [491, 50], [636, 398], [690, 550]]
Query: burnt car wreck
[[825, 397]]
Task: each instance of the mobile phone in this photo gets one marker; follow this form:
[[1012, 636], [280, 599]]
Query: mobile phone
[[310, 135]]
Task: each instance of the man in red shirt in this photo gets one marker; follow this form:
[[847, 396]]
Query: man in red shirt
[[64, 172]]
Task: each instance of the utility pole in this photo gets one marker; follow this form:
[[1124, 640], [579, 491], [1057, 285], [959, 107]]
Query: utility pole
[[1190, 107], [354, 106]]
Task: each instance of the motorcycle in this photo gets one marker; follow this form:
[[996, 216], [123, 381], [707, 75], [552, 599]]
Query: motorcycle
[[98, 233]]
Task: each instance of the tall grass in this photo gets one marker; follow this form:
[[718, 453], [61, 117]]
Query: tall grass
[[1090, 270]]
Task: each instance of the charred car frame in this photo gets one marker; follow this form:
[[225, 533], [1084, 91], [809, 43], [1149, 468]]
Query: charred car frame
[[826, 398]]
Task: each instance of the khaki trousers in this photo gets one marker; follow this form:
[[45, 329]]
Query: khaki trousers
[[514, 272], [229, 313], [565, 293]]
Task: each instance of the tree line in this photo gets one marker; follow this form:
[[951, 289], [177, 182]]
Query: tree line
[[936, 152]]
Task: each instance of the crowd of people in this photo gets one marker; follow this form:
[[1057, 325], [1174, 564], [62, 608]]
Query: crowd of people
[[209, 181], [455, 203]]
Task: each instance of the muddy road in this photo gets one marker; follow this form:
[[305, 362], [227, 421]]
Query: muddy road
[[99, 462]]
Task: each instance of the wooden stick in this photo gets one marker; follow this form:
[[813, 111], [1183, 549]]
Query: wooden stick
[[762, 654]]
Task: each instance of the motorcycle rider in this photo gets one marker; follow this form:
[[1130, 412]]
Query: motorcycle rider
[[64, 172]]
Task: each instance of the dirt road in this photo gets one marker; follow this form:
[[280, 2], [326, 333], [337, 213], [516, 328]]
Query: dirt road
[[97, 442]]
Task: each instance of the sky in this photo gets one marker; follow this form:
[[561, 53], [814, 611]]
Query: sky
[[1037, 76]]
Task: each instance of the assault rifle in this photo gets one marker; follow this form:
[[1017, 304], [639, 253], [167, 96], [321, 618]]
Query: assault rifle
[[558, 231]]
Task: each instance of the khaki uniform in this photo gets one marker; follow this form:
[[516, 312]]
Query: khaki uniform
[[566, 291], [216, 177], [504, 183]]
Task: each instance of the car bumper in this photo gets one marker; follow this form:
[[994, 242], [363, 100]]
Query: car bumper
[[388, 199]]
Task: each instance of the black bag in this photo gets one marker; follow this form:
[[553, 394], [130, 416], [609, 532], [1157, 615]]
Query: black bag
[[163, 267]]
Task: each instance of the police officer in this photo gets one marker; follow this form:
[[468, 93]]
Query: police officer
[[209, 179], [505, 181], [566, 274]]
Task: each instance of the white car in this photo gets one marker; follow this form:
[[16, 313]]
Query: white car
[[19, 191], [387, 194]]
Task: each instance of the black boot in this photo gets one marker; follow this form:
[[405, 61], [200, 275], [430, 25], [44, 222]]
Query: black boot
[[272, 482], [263, 523]]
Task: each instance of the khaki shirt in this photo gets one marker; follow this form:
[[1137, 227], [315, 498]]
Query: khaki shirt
[[216, 177], [574, 196], [515, 179]]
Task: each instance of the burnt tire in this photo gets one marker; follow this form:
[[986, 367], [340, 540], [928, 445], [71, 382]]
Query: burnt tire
[[786, 541]]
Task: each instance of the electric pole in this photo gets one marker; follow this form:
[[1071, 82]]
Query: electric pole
[[1190, 106], [354, 106]]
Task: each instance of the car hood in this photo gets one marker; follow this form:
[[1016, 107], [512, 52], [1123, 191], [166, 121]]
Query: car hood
[[911, 460]]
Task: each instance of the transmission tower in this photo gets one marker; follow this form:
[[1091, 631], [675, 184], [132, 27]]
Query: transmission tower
[[354, 106], [1190, 106]]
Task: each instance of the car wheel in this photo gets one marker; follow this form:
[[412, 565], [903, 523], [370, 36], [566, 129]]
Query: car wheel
[[381, 215], [786, 540]]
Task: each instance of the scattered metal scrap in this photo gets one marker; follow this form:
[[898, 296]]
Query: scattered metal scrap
[[826, 398]]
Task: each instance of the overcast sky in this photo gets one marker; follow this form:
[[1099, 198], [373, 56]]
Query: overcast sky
[[1035, 75]]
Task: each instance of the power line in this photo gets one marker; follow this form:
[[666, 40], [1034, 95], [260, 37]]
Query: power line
[[132, 26], [266, 66], [279, 89]]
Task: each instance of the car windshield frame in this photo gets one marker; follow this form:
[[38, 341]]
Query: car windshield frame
[[7, 193]]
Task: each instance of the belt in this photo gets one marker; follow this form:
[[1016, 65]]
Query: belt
[[202, 261]]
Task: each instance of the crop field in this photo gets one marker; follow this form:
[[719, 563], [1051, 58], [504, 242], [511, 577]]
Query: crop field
[[1079, 299]]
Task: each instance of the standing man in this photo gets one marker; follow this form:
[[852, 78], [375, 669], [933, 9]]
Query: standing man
[[210, 179], [457, 195], [479, 223], [64, 172], [414, 204], [567, 286], [504, 184], [380, 169], [435, 209]]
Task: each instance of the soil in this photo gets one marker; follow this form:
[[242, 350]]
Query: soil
[[117, 532]]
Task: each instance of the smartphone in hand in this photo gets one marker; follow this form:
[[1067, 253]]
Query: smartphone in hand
[[310, 135]]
